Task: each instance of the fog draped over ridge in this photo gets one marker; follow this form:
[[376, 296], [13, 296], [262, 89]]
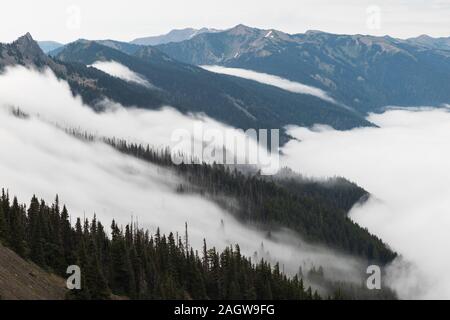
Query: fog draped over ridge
[[404, 164], [272, 80], [51, 100], [91, 177]]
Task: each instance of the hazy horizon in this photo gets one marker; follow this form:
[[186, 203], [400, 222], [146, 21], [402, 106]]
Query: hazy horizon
[[66, 21], [188, 27]]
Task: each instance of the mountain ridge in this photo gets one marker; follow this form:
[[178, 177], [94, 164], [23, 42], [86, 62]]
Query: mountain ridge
[[365, 72], [249, 104], [238, 102], [91, 84]]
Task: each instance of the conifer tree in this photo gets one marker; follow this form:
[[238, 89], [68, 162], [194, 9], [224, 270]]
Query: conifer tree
[[3, 226], [17, 227]]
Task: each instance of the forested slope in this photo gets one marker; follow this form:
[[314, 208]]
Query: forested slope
[[135, 264], [316, 211]]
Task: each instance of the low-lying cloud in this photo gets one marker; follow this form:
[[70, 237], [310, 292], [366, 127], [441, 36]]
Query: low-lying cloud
[[118, 70], [52, 100], [272, 80], [91, 177], [404, 164]]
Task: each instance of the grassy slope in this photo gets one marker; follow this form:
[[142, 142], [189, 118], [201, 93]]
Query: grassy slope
[[23, 280]]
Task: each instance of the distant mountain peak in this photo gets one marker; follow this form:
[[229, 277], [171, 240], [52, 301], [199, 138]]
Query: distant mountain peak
[[427, 41], [48, 46], [28, 46], [241, 29], [176, 35], [423, 37], [26, 39], [82, 40], [24, 51], [314, 32]]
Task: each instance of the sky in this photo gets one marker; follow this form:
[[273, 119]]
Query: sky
[[68, 20]]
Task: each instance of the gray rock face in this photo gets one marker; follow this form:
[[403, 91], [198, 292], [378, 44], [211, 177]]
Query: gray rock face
[[23, 51]]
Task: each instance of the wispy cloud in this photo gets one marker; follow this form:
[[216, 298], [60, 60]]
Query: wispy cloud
[[118, 70], [272, 80]]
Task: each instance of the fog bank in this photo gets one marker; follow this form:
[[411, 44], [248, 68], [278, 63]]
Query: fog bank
[[52, 100], [404, 164]]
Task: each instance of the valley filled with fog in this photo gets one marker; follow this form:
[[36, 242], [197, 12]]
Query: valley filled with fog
[[175, 151], [44, 160], [403, 163]]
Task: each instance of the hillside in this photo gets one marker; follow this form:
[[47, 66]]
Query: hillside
[[317, 212], [129, 263], [24, 280]]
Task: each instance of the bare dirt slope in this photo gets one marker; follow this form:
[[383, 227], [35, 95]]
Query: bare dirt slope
[[23, 280]]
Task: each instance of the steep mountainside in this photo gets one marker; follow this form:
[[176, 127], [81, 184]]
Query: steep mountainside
[[128, 262], [365, 72], [93, 85], [24, 51], [23, 280]]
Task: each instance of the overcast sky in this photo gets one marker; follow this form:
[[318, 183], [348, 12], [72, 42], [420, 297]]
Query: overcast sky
[[67, 20]]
